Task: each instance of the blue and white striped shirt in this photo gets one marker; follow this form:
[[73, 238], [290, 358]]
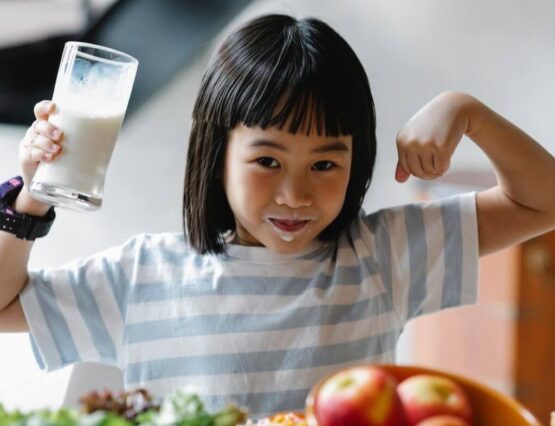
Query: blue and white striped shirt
[[255, 327]]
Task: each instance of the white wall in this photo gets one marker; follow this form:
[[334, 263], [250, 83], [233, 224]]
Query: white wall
[[499, 51]]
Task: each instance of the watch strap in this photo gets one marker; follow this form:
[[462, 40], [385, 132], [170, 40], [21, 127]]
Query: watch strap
[[24, 226]]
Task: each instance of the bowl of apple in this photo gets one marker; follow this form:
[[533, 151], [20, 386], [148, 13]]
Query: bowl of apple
[[399, 395]]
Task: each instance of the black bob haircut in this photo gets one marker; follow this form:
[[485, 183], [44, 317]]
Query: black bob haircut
[[275, 70]]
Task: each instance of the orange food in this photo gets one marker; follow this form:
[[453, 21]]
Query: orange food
[[283, 419]]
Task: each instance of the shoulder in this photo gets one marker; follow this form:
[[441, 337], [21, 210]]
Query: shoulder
[[160, 243], [143, 246], [437, 222], [419, 214]]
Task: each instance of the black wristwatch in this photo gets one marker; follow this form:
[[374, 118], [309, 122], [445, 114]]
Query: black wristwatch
[[24, 226]]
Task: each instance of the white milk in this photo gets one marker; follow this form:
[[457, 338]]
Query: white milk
[[87, 147]]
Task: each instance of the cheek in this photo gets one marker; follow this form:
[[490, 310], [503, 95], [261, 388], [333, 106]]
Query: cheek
[[256, 182], [246, 188], [256, 187], [334, 188]]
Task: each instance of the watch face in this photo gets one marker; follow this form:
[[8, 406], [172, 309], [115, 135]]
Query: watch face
[[10, 185], [15, 182], [7, 210]]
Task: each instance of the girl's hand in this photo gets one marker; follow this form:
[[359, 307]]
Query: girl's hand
[[40, 143], [427, 141]]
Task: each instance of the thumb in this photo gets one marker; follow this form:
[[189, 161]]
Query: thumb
[[401, 175]]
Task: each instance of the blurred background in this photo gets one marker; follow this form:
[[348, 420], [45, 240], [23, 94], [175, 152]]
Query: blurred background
[[500, 51]]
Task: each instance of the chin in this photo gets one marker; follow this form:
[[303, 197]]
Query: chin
[[287, 247]]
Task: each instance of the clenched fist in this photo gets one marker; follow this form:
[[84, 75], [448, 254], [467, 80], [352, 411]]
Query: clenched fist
[[426, 143], [42, 141]]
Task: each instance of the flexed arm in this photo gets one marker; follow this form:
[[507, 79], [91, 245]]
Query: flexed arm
[[522, 205]]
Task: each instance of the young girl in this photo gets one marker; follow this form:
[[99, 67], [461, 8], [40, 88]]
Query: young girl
[[280, 278]]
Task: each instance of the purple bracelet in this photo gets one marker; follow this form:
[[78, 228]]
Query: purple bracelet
[[24, 226]]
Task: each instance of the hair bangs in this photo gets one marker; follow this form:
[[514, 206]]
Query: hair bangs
[[282, 79]]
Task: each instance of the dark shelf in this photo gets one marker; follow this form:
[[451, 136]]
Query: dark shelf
[[164, 35]]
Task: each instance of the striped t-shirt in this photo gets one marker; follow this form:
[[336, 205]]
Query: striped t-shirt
[[255, 327]]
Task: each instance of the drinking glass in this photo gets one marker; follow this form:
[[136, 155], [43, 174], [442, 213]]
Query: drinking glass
[[91, 93]]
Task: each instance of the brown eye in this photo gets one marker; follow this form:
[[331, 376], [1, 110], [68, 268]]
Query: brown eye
[[324, 165], [266, 162]]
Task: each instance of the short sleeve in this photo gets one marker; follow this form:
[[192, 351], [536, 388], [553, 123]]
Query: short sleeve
[[427, 254], [76, 312]]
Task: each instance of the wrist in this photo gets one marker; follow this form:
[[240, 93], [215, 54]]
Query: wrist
[[26, 204], [467, 109]]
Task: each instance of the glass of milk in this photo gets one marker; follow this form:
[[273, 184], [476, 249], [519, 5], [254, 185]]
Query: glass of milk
[[91, 94]]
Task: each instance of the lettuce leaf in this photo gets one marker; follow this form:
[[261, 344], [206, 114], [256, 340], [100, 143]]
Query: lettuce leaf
[[179, 408]]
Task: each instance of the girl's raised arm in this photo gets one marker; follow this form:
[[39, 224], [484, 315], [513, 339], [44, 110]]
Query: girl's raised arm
[[522, 205], [40, 143]]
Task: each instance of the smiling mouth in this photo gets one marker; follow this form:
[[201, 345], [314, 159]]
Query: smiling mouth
[[289, 225]]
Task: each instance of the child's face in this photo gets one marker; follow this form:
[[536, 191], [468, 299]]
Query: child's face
[[296, 179]]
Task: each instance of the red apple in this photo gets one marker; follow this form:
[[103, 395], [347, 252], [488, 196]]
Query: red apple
[[428, 395], [443, 421], [359, 396]]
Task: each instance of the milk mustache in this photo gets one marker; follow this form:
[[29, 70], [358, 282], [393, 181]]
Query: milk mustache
[[87, 146]]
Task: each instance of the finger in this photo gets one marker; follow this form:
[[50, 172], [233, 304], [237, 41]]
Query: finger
[[404, 172], [415, 165], [35, 148], [401, 175], [43, 109], [43, 127], [28, 139], [31, 130], [427, 163], [35, 155], [45, 144], [402, 159], [440, 165]]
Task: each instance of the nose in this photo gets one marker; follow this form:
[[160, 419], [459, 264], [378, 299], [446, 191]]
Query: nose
[[294, 192]]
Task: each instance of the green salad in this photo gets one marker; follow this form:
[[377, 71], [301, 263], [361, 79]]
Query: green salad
[[179, 408]]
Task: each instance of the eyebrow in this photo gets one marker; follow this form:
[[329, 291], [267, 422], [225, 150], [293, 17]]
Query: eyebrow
[[334, 146]]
